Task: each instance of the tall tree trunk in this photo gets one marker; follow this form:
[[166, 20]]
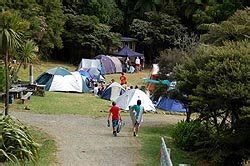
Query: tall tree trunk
[[6, 61], [31, 74]]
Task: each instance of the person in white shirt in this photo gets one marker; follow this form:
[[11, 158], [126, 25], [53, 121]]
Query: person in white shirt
[[96, 89], [137, 63]]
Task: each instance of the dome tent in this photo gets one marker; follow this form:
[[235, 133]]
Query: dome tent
[[90, 63], [93, 74], [108, 66], [113, 91], [60, 79], [130, 97], [117, 62], [171, 105]]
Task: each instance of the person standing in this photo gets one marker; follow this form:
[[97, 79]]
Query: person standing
[[116, 117], [123, 79], [137, 64], [96, 89], [142, 63], [137, 119]]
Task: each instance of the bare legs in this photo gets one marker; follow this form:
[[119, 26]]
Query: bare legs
[[136, 129]]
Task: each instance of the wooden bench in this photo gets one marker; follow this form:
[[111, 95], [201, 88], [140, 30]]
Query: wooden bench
[[26, 97]]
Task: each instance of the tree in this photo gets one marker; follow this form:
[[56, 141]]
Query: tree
[[216, 82], [46, 21], [26, 54], [156, 33], [85, 35], [236, 28], [11, 29], [2, 78], [186, 45]]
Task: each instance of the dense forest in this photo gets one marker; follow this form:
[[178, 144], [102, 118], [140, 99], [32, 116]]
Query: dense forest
[[71, 29]]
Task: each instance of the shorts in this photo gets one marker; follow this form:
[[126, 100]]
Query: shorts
[[136, 124], [115, 122]]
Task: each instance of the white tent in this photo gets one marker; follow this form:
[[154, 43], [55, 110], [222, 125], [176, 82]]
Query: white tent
[[113, 91], [130, 97], [60, 79], [90, 63], [66, 83], [117, 62]]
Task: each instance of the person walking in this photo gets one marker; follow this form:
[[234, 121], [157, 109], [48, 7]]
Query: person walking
[[116, 117], [136, 116]]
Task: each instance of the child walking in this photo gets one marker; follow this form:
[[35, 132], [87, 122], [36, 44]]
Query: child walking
[[137, 113], [116, 117]]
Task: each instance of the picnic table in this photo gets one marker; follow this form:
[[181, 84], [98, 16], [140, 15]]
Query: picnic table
[[17, 92]]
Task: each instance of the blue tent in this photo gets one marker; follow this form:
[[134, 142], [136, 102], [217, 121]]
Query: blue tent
[[85, 74], [171, 105], [107, 64], [127, 52], [113, 91]]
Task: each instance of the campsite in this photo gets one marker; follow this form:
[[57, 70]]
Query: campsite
[[122, 82]]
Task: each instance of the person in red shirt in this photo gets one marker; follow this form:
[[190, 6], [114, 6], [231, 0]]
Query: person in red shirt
[[123, 79], [115, 111]]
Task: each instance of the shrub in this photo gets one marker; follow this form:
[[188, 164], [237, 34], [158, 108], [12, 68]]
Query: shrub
[[187, 134], [15, 141]]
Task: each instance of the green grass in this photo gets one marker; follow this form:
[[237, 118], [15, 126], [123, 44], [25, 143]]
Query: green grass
[[150, 139], [132, 79], [47, 150], [65, 103]]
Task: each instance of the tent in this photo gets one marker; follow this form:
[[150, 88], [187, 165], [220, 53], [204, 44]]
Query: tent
[[118, 64], [92, 74], [113, 91], [108, 66], [84, 73], [171, 105], [60, 79], [82, 81], [130, 97], [89, 63], [151, 81], [127, 52]]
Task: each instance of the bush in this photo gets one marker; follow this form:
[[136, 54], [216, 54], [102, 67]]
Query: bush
[[15, 141], [187, 134]]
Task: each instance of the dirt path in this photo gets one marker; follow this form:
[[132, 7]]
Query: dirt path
[[87, 141]]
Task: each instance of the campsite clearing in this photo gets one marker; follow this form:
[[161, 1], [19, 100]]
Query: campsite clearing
[[86, 140]]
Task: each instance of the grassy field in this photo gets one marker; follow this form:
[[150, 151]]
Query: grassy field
[[132, 79], [47, 150], [65, 103], [150, 139]]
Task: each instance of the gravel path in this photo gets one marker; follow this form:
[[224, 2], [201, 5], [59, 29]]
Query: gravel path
[[87, 141]]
